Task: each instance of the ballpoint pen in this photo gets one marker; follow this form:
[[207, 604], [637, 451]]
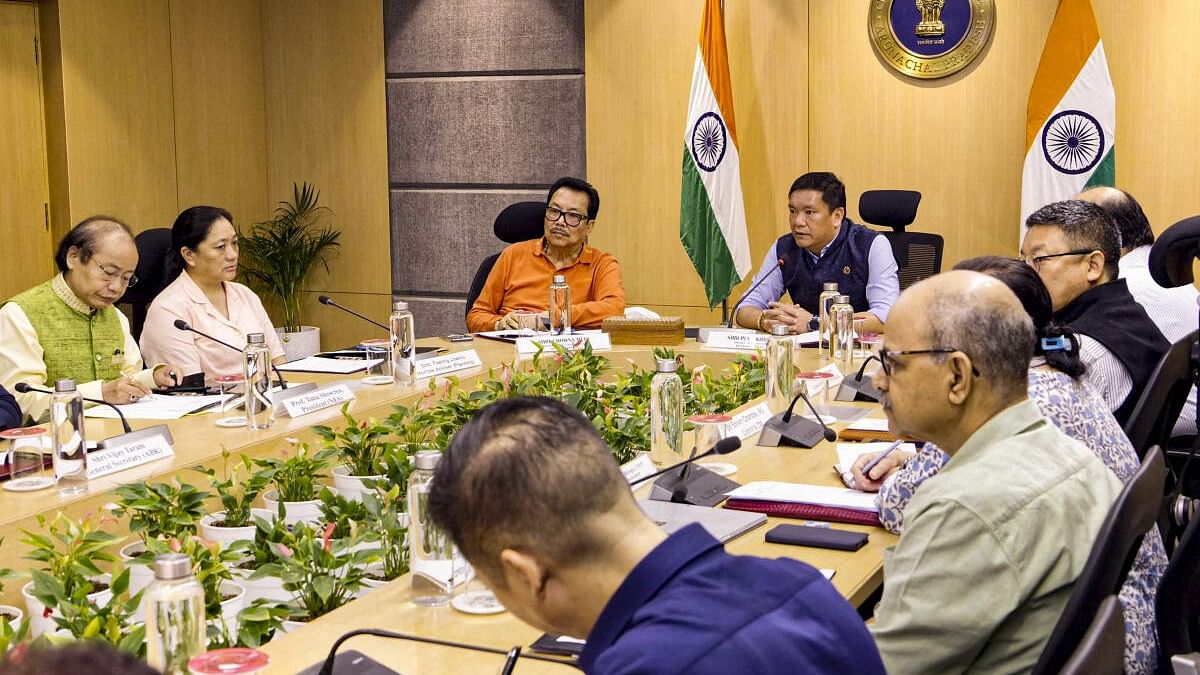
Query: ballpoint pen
[[875, 462]]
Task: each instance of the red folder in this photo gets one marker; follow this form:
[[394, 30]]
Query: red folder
[[806, 511]]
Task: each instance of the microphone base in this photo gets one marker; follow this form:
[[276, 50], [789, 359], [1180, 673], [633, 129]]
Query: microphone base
[[704, 487], [853, 389], [352, 662], [798, 432]]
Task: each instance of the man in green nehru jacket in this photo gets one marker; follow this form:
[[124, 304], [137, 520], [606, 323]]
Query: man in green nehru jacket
[[67, 327]]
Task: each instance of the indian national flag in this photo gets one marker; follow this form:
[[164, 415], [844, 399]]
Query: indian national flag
[[1071, 120], [712, 221]]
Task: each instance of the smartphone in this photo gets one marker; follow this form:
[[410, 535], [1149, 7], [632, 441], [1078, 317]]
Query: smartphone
[[819, 537], [459, 337]]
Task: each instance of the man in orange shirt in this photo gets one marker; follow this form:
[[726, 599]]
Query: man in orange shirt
[[520, 281]]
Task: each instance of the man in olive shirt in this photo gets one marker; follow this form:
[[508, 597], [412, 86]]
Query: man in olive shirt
[[995, 541]]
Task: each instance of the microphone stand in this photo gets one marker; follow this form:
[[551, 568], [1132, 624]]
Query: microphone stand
[[183, 325], [783, 430], [23, 387], [857, 388], [326, 300], [721, 447], [509, 662], [733, 315]]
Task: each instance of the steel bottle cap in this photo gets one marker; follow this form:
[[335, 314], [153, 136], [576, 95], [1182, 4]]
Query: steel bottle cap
[[560, 278], [829, 286], [172, 566], [256, 339], [427, 460], [843, 299], [400, 306], [779, 329], [64, 385], [665, 365]]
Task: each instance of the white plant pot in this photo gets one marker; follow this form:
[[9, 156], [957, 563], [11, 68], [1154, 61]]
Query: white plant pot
[[294, 512], [231, 607], [348, 486], [369, 584], [301, 344], [268, 588], [228, 535], [9, 609], [140, 576], [289, 625], [40, 623]]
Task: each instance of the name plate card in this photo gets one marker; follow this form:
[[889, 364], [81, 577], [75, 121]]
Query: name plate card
[[749, 422], [736, 339], [320, 399], [447, 363], [574, 342], [638, 467], [129, 450]]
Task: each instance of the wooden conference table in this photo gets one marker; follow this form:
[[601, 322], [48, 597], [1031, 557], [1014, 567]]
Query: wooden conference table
[[198, 442]]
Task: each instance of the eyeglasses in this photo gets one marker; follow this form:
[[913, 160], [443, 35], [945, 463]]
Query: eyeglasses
[[113, 273], [1036, 261], [571, 218], [887, 357]]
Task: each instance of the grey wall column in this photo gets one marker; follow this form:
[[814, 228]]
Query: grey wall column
[[485, 108]]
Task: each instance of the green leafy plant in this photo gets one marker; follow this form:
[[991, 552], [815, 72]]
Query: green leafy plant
[[10, 635], [161, 510], [386, 513], [294, 475], [267, 535], [344, 513], [237, 496], [257, 624], [279, 254], [321, 572], [360, 445], [111, 622], [69, 551]]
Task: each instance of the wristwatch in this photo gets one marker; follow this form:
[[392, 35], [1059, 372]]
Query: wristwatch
[[814, 322]]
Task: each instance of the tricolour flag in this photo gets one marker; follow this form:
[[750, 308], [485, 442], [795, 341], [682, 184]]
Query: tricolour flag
[[1071, 120], [712, 220]]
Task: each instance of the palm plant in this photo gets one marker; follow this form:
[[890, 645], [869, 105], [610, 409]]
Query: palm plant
[[278, 255]]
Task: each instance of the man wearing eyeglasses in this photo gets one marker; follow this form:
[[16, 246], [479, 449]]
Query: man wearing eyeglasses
[[519, 284], [992, 544], [68, 328], [1074, 246]]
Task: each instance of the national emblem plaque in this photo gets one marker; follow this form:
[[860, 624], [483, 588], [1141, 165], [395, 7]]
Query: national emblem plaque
[[928, 39]]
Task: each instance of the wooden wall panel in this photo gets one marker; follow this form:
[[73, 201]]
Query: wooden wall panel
[[326, 124], [220, 107], [638, 69]]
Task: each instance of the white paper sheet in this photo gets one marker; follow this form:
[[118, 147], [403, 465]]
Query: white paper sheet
[[800, 493], [156, 407], [317, 364]]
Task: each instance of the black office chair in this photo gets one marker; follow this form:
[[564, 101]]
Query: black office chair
[[1165, 394], [1177, 606], [1101, 651], [918, 254], [1132, 515], [517, 222], [153, 247]]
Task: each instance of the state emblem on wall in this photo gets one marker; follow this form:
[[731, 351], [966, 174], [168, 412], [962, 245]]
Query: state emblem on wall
[[928, 39]]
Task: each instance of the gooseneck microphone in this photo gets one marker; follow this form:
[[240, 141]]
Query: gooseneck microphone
[[782, 429], [23, 388], [778, 266], [509, 663], [326, 300], [861, 387], [721, 447], [183, 325]]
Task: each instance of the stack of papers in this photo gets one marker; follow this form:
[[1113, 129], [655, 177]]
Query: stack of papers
[[317, 364], [157, 407], [801, 493]]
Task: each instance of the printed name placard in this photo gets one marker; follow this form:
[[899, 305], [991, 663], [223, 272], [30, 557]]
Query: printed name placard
[[574, 342], [638, 467], [748, 422], [129, 450], [447, 363], [320, 399], [736, 339], [278, 396]]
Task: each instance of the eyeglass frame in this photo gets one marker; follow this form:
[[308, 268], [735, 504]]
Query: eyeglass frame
[[129, 282], [885, 357], [1036, 261], [563, 215]]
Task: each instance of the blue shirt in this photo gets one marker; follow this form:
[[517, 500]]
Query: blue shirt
[[10, 412], [690, 607]]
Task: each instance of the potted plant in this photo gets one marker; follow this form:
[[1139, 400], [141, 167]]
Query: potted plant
[[268, 532], [279, 254], [13, 624], [386, 513], [159, 511], [237, 496], [69, 551], [83, 617], [361, 447], [224, 598], [295, 494]]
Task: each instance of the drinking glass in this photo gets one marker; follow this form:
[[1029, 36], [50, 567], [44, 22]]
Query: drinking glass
[[707, 430], [228, 385], [529, 320], [815, 385], [381, 372], [25, 459]]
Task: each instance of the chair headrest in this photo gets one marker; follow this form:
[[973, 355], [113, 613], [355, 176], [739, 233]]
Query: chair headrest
[[154, 248], [520, 222], [889, 208], [1173, 252]]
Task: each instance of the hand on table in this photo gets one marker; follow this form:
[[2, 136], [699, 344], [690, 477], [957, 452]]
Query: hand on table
[[167, 376], [886, 467], [794, 317], [123, 390]]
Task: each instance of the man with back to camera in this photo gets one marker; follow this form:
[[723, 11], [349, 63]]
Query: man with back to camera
[[1074, 246], [533, 498], [520, 280], [992, 544], [1173, 310], [68, 328], [824, 245]]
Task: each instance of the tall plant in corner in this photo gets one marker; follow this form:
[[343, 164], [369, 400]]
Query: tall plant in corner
[[278, 255]]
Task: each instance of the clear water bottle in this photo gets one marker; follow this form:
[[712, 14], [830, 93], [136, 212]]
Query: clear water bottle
[[841, 318], [780, 372], [70, 447], [175, 628], [829, 292], [560, 306], [666, 414], [404, 344], [260, 413], [431, 551]]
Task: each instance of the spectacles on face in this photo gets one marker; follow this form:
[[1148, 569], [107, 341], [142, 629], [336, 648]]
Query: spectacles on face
[[1036, 261], [887, 357], [571, 218], [113, 273]]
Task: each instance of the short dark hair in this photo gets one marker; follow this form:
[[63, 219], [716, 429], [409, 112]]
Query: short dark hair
[[86, 656], [84, 237], [1029, 288], [578, 185], [833, 192], [1130, 219], [1084, 225], [526, 473], [191, 227]]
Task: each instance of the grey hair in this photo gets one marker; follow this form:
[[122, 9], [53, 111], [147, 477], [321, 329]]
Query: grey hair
[[998, 341]]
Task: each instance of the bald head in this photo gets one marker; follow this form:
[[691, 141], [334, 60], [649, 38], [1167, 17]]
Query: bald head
[[1126, 214]]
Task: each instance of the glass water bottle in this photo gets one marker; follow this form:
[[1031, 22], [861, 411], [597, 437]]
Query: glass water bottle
[[404, 344], [70, 446], [841, 317], [666, 414], [560, 306], [431, 551], [256, 361], [780, 372], [829, 292], [175, 627]]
